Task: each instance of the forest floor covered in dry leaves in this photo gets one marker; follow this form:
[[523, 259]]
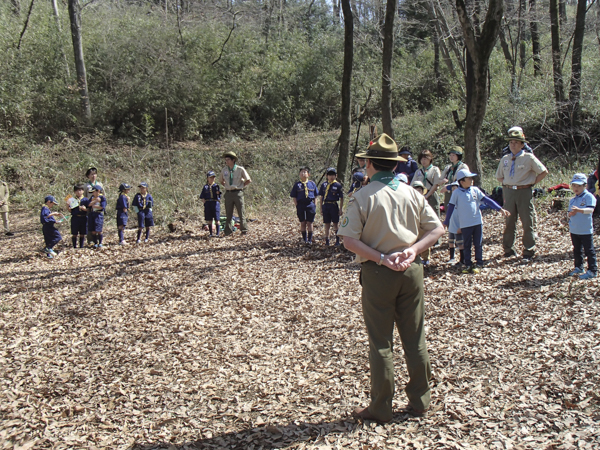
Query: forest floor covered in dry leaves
[[257, 342]]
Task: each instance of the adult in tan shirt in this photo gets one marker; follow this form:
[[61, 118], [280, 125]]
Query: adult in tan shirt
[[234, 179], [4, 207], [387, 224], [518, 172]]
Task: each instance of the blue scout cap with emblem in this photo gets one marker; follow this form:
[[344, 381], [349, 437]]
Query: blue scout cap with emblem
[[384, 147], [96, 188], [358, 176], [405, 151], [123, 187], [579, 178], [331, 171], [143, 184], [50, 198], [211, 173], [464, 173]]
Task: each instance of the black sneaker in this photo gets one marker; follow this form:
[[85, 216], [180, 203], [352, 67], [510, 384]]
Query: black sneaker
[[509, 254], [9, 233]]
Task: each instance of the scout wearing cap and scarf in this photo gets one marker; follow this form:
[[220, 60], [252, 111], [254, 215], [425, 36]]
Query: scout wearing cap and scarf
[[234, 179], [449, 173], [51, 234], [211, 197], [304, 194], [142, 206], [330, 193], [387, 224], [122, 211], [97, 207], [408, 167], [78, 208], [358, 177], [519, 172], [581, 226]]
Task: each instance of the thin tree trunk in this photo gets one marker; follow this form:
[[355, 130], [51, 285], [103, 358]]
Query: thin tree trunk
[[522, 28], [60, 38], [436, 61], [75, 18], [535, 38], [386, 71], [559, 91], [342, 165], [16, 7], [575, 92], [562, 11]]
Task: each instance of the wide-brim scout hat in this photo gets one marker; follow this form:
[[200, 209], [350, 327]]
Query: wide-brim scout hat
[[384, 147], [418, 184], [90, 170], [464, 173], [332, 171], [516, 134], [456, 150], [230, 154], [50, 198], [211, 173], [143, 184], [579, 178]]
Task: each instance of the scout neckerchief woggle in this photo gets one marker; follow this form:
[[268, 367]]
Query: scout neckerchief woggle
[[305, 184]]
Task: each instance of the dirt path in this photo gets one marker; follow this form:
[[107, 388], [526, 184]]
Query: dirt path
[[259, 342]]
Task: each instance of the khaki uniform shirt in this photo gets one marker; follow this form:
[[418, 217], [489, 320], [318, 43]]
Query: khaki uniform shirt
[[527, 168], [433, 177], [3, 197], [385, 219], [239, 177]]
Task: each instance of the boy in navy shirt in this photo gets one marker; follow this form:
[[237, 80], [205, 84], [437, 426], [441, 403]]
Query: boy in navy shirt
[[465, 202], [358, 178], [97, 206], [304, 194], [408, 167], [47, 219], [211, 197], [329, 195], [581, 226], [142, 205], [78, 207], [123, 211]]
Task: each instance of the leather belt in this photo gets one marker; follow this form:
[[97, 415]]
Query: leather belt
[[525, 186], [234, 190]]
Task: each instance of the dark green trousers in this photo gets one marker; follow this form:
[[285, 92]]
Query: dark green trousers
[[390, 298], [234, 199], [519, 202]]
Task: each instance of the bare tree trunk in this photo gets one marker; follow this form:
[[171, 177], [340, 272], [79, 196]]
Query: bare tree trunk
[[559, 91], [75, 18], [510, 60], [535, 38], [342, 165], [386, 71], [562, 11], [575, 92], [436, 61], [60, 38], [522, 28], [480, 43]]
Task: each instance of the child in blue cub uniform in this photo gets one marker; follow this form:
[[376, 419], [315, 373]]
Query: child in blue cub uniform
[[581, 226], [78, 207], [465, 202], [304, 195], [97, 206], [329, 195], [123, 211], [211, 197], [142, 205], [455, 239], [47, 219], [358, 178]]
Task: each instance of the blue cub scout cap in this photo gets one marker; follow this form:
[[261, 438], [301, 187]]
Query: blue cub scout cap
[[211, 173], [96, 188], [464, 173], [124, 186], [50, 198], [358, 176], [579, 178], [143, 184], [331, 171]]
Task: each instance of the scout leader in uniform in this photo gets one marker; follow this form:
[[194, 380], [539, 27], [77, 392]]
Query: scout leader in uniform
[[234, 179], [519, 172], [382, 226]]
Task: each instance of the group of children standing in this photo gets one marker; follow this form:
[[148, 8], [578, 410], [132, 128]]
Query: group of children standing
[[87, 208]]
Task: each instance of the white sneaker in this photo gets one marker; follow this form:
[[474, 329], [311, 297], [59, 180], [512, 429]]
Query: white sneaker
[[138, 241], [452, 261], [122, 243], [145, 241]]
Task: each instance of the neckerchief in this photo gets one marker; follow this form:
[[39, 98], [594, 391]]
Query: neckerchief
[[512, 167], [452, 171], [387, 178], [327, 190], [305, 184], [231, 175], [424, 170], [143, 201], [210, 189]]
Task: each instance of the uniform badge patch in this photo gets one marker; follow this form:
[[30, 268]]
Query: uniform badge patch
[[345, 221]]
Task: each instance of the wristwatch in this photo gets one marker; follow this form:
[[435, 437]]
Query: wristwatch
[[381, 256]]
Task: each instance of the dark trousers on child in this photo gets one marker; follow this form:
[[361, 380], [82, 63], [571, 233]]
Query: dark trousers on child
[[584, 244], [473, 235]]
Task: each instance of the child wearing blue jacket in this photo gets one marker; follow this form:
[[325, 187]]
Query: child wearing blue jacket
[[211, 197], [465, 202], [122, 211], [78, 207], [142, 205], [47, 219], [97, 206], [304, 195], [581, 226]]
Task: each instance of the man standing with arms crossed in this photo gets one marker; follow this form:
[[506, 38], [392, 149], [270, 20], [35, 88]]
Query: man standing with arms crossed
[[234, 179], [518, 172], [388, 224]]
